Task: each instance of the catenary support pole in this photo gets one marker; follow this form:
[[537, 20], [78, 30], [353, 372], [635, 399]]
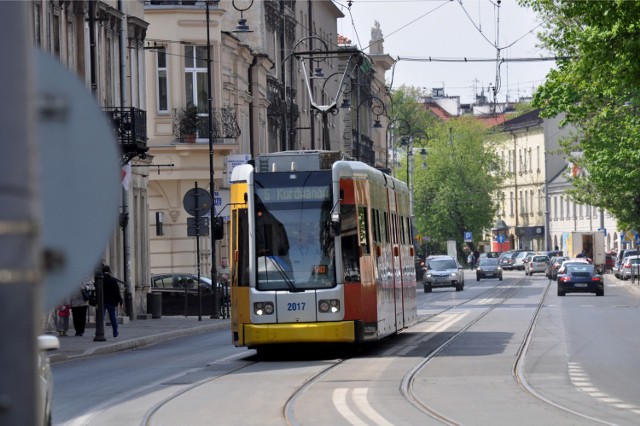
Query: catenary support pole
[[20, 283], [214, 271]]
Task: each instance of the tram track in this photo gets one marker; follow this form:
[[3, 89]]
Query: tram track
[[148, 416], [406, 386], [500, 294], [288, 409]]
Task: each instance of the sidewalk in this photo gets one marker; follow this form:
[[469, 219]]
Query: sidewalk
[[634, 287], [132, 334]]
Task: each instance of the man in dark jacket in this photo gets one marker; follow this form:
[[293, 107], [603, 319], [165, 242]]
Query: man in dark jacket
[[112, 297]]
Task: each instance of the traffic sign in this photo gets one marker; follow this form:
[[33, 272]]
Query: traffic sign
[[501, 238], [468, 237], [199, 229], [197, 201]]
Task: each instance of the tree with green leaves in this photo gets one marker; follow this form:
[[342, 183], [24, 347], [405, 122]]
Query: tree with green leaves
[[454, 192], [597, 90]]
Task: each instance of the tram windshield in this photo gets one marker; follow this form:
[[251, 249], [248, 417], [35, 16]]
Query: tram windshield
[[294, 248]]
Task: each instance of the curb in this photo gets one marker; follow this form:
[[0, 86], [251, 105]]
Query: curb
[[138, 342]]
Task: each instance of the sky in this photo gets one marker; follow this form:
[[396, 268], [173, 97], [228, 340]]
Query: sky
[[452, 29]]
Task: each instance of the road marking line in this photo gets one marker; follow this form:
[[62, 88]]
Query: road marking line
[[339, 399], [625, 406], [360, 398], [610, 400], [580, 381]]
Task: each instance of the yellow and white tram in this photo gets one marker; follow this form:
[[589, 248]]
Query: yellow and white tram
[[321, 251]]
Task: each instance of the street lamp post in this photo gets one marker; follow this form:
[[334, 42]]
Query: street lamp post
[[376, 105], [397, 127], [214, 272], [408, 142]]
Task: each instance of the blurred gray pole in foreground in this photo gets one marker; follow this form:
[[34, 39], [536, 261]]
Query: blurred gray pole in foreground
[[20, 281]]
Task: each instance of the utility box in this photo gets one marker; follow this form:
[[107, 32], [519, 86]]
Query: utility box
[[154, 305]]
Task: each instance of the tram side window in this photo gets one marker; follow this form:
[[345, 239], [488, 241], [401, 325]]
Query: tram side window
[[394, 229], [242, 263], [386, 227], [402, 233], [376, 226], [363, 229], [350, 252]]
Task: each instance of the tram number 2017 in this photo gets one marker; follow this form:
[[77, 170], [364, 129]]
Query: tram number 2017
[[295, 306]]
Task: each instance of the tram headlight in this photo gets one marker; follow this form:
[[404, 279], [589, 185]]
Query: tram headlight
[[263, 308], [329, 305]]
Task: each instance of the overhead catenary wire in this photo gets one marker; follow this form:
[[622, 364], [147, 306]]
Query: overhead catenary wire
[[465, 59]]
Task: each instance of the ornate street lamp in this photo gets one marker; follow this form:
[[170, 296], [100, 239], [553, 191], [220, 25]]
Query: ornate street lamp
[[376, 106]]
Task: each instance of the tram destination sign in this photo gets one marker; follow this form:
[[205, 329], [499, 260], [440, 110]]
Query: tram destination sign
[[308, 193]]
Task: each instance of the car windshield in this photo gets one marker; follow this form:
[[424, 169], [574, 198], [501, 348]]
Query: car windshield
[[439, 264], [540, 259], [488, 261]]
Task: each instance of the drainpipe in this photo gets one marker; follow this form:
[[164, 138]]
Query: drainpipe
[[251, 92]]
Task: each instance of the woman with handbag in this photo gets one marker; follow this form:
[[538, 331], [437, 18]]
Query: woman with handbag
[[80, 304]]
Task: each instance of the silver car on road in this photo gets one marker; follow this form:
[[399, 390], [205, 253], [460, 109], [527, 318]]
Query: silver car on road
[[443, 271], [536, 263]]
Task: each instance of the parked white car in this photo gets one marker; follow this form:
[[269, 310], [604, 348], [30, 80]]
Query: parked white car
[[536, 263], [46, 343], [629, 264]]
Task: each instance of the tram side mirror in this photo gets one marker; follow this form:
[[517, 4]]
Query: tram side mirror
[[335, 223]]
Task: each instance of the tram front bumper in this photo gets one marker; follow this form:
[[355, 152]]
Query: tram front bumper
[[322, 332]]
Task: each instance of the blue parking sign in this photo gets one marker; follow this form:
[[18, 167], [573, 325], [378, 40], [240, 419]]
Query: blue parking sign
[[468, 237]]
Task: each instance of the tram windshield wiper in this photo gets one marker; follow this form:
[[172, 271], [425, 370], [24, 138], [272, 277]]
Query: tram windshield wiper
[[283, 274]]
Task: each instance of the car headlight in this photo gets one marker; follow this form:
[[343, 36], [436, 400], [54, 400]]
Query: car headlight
[[428, 275], [329, 305], [453, 274], [263, 308]]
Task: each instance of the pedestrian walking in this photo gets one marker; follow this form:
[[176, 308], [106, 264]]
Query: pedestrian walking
[[63, 318], [470, 261], [112, 297], [80, 305]]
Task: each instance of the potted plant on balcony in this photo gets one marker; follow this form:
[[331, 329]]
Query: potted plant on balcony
[[188, 123]]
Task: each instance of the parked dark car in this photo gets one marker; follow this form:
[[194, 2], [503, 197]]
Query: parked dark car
[[554, 265], [580, 278], [507, 258], [174, 287], [488, 268], [519, 260], [553, 253]]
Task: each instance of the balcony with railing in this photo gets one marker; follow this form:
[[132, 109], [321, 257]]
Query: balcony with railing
[[225, 127], [130, 130]]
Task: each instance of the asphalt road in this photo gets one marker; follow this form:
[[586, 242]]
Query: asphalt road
[[457, 366]]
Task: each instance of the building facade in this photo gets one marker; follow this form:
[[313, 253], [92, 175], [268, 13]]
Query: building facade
[[102, 43], [534, 203], [270, 91]]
